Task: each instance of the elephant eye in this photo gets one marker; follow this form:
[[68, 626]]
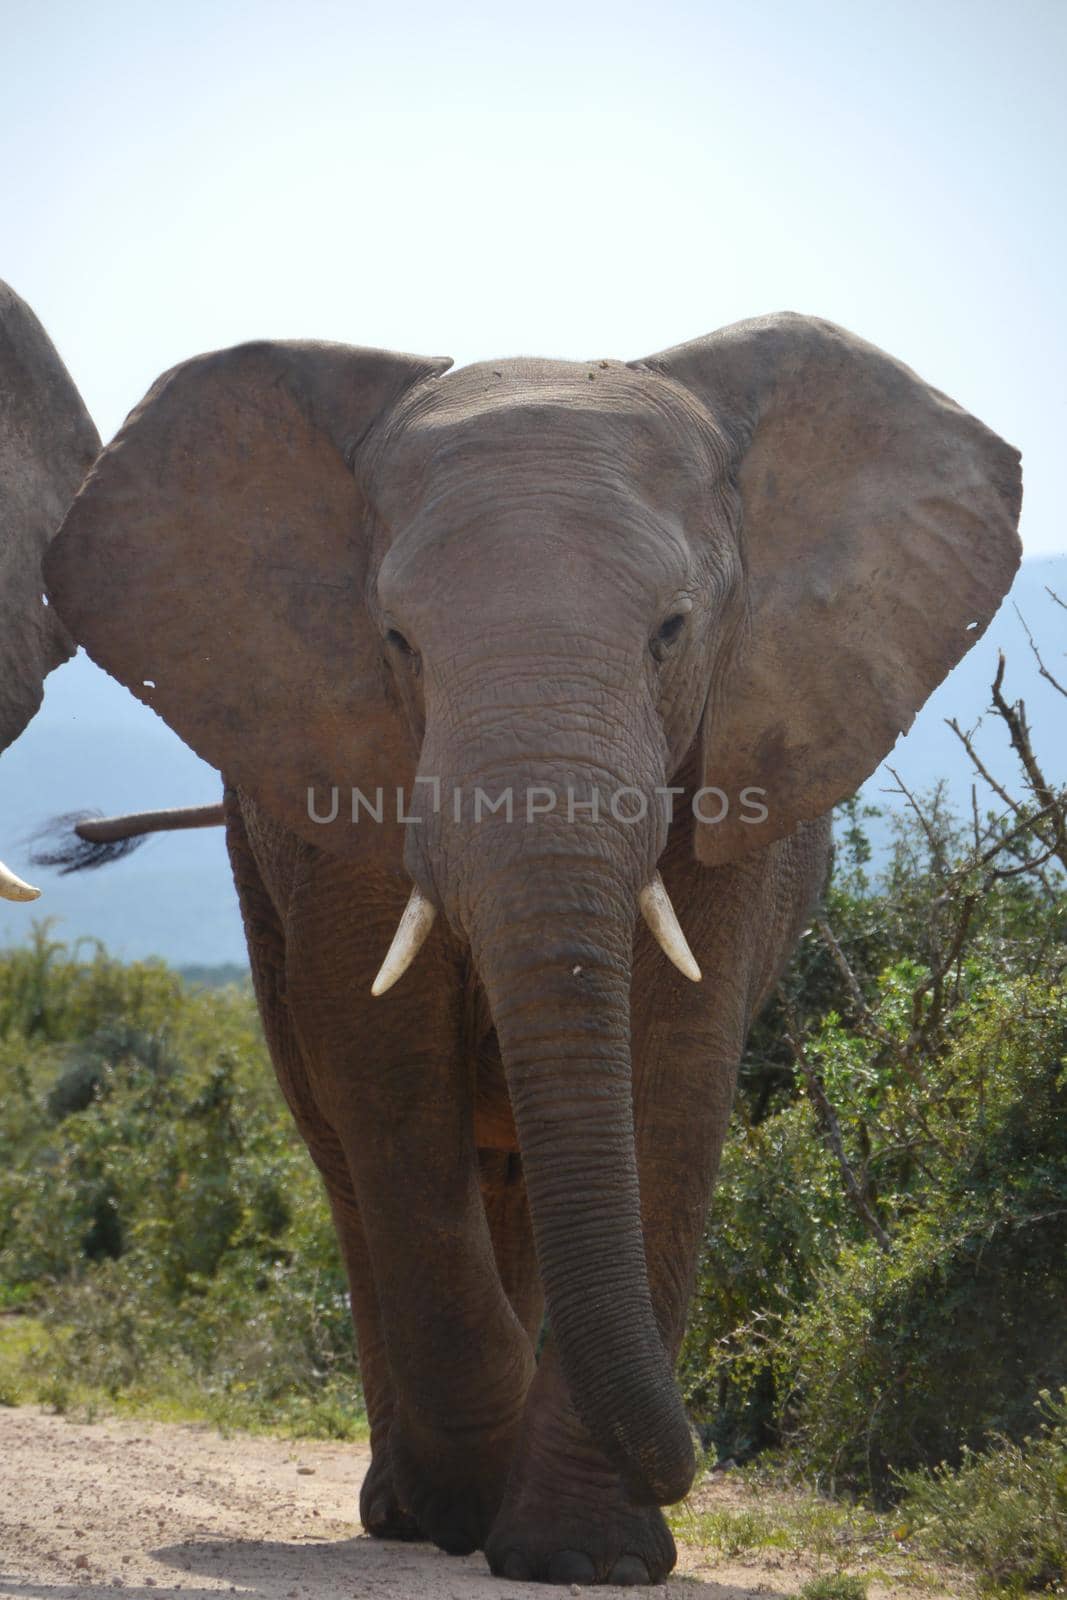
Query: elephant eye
[[400, 645], [666, 634], [396, 640]]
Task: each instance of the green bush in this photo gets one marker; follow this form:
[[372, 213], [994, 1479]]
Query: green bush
[[157, 1208], [885, 1262], [777, 1215], [905, 1357], [1004, 1513]]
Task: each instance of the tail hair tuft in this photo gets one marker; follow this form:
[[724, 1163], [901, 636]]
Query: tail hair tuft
[[58, 844]]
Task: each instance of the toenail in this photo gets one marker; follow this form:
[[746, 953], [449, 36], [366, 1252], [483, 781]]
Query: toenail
[[628, 1571], [516, 1567], [571, 1566]]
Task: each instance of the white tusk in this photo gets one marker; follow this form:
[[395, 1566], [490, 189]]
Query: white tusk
[[12, 888], [658, 912], [410, 936]]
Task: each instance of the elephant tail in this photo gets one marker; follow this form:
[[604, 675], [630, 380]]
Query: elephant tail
[[84, 839]]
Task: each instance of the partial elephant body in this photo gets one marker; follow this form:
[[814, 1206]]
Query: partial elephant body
[[47, 444], [614, 638]]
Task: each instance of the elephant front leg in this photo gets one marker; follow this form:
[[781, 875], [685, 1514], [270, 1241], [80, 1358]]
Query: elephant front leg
[[460, 1363], [393, 1083], [566, 1517]]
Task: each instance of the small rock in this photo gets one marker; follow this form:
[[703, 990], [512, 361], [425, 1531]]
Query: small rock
[[81, 1562], [306, 1472]]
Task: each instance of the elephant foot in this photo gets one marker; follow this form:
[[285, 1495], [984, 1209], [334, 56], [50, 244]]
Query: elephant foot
[[453, 1492], [574, 1524], [380, 1510]]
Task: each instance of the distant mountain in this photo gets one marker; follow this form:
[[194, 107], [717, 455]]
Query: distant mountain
[[229, 973], [94, 745]]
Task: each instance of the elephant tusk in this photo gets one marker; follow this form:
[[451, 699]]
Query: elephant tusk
[[13, 888], [410, 936], [658, 912]]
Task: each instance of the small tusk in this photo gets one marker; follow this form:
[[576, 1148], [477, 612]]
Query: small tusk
[[410, 936], [658, 912], [12, 888]]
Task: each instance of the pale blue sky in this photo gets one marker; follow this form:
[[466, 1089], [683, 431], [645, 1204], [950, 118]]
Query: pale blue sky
[[562, 179], [575, 180]]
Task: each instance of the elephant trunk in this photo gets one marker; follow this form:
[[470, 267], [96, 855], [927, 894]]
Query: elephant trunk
[[556, 968]]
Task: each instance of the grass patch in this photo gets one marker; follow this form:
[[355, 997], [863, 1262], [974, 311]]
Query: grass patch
[[764, 1508], [36, 1369], [19, 1337], [795, 1520], [835, 1586]]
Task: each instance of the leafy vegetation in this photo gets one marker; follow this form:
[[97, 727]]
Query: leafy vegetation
[[884, 1283], [883, 1341], [157, 1209], [1005, 1511]]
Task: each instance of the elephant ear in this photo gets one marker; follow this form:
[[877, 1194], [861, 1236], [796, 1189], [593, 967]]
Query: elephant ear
[[47, 444], [216, 563], [878, 528]]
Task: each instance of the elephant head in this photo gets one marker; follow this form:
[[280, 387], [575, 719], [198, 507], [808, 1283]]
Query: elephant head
[[744, 562], [47, 443]]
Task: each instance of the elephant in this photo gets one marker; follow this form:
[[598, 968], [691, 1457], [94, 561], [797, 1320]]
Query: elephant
[[47, 444], [533, 685]]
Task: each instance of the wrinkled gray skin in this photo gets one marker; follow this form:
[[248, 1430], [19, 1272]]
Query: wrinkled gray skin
[[746, 561], [47, 444]]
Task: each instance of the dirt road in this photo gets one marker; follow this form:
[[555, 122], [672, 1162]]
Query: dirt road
[[166, 1510]]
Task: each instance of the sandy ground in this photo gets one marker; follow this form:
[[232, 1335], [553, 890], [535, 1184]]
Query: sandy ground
[[161, 1509]]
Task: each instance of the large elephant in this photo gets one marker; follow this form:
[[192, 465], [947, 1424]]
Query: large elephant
[[622, 634], [47, 443]]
